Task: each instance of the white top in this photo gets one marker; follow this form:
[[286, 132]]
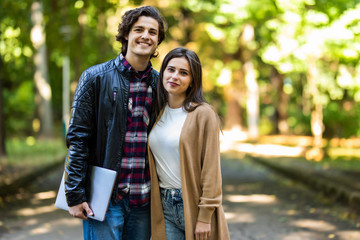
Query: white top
[[164, 144]]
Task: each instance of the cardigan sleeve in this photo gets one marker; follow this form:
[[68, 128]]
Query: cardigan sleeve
[[210, 178]]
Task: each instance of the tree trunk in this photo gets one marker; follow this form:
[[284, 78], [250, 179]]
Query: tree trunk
[[77, 53], [41, 76], [2, 120], [234, 96], [66, 31], [252, 101], [252, 88], [281, 103], [233, 119], [185, 25], [101, 29], [317, 126]]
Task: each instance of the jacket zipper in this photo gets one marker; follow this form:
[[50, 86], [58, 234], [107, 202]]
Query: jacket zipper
[[114, 94]]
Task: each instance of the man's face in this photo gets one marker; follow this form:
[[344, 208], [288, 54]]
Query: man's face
[[143, 37]]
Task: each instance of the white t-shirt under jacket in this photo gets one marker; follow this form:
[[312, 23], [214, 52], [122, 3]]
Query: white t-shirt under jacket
[[164, 144]]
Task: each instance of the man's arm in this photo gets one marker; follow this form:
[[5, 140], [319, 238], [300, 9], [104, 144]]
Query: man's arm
[[79, 136]]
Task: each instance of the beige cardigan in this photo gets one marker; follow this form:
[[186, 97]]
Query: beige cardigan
[[200, 177]]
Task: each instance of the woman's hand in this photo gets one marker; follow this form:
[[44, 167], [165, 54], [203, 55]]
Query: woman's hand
[[202, 231]]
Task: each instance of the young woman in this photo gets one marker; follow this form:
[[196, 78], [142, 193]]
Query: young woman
[[184, 156]]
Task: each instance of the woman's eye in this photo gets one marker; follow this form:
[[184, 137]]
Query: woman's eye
[[184, 73]]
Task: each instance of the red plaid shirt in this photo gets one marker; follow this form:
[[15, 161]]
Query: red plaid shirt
[[134, 174]]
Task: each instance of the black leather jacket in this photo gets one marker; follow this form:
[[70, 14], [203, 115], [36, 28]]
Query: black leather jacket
[[97, 126]]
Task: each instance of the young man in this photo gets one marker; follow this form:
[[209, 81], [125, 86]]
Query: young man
[[110, 119]]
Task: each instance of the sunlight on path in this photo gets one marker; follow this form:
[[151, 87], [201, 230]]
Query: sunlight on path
[[262, 206], [254, 198], [234, 140], [37, 218]]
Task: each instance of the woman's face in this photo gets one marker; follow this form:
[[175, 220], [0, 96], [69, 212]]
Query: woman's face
[[177, 77]]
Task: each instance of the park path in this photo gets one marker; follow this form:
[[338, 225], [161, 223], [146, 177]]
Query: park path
[[259, 205]]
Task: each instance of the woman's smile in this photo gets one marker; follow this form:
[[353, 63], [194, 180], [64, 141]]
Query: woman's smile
[[177, 77]]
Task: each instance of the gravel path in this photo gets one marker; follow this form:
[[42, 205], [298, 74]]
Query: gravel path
[[259, 205]]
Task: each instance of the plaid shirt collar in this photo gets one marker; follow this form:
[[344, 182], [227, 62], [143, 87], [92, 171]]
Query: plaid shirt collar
[[145, 73]]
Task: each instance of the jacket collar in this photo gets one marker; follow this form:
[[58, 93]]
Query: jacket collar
[[127, 69], [119, 66]]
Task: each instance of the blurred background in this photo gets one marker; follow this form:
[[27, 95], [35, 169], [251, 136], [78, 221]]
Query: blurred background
[[284, 76], [277, 71]]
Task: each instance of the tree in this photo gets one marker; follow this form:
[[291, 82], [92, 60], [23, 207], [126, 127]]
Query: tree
[[288, 39], [41, 76], [281, 102], [311, 41], [2, 120]]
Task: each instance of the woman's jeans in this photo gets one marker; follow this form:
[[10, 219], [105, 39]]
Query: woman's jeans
[[173, 208], [121, 223]]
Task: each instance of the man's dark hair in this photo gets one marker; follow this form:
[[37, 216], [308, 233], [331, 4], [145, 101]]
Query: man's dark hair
[[131, 16]]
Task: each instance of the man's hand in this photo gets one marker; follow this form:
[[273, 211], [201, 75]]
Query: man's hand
[[79, 210], [202, 231]]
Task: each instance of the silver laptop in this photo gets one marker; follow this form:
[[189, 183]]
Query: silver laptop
[[102, 184]]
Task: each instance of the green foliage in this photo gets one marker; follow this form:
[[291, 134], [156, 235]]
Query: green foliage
[[27, 154], [348, 164], [341, 119], [286, 35], [31, 150], [313, 29], [17, 53], [17, 72], [299, 122], [20, 106]]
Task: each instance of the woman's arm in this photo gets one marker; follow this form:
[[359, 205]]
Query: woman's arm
[[210, 179]]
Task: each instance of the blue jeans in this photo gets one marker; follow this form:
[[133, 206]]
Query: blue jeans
[[121, 223], [173, 208]]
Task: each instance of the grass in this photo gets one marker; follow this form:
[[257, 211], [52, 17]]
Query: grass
[[343, 163], [25, 154]]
